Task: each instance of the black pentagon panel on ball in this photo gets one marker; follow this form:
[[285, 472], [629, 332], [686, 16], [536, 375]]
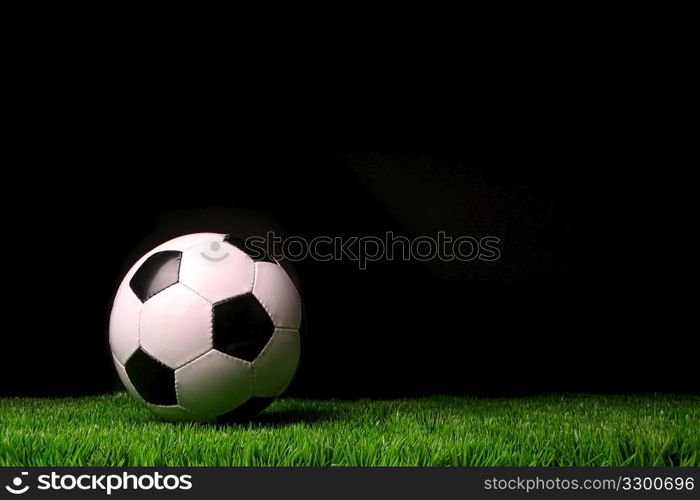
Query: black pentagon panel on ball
[[154, 381], [241, 327], [256, 252], [157, 273], [246, 411]]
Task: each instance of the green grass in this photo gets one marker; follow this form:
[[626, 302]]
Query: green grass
[[546, 430]]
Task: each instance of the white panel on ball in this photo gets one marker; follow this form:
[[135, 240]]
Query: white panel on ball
[[181, 243], [175, 326], [274, 367], [124, 324], [214, 384], [278, 295], [217, 273]]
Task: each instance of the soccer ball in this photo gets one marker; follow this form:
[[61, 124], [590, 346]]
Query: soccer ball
[[201, 331]]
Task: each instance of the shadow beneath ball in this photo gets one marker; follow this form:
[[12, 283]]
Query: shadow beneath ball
[[278, 418]]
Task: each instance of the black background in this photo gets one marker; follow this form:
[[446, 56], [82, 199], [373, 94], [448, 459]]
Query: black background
[[550, 154]]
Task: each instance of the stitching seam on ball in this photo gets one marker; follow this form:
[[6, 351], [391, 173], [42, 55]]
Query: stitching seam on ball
[[196, 293]]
